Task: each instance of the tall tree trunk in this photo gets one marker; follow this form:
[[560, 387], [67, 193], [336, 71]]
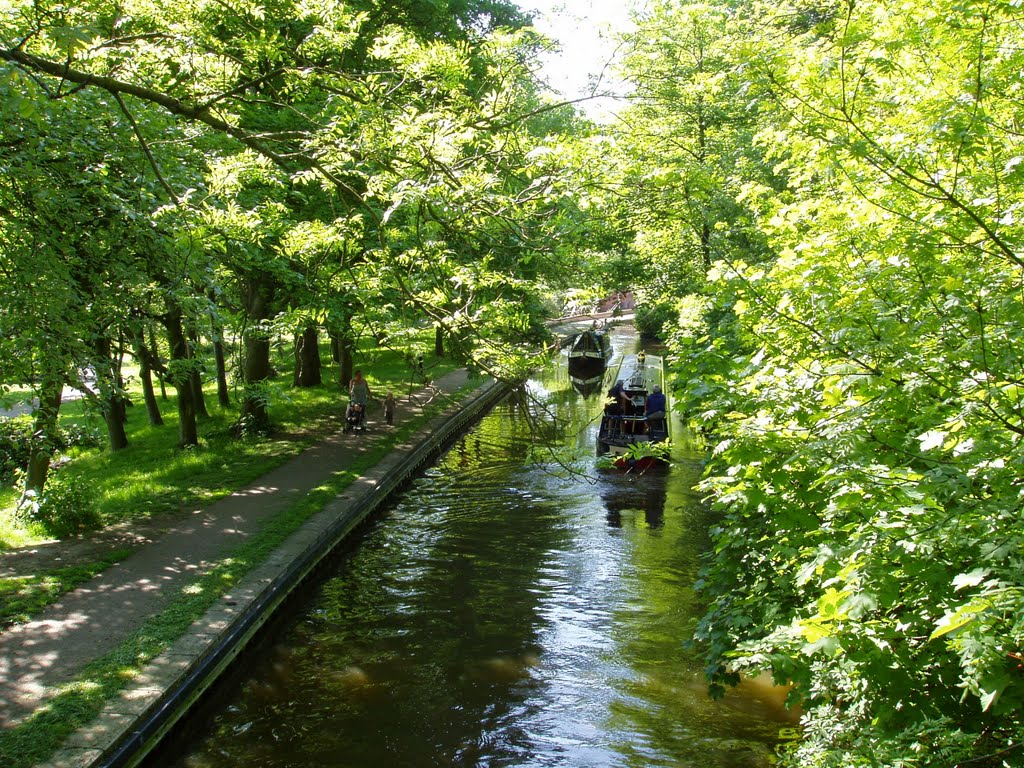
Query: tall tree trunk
[[188, 433], [438, 341], [223, 396], [343, 343], [346, 368], [157, 365], [196, 376], [111, 394], [255, 415], [217, 334], [335, 346], [44, 436], [307, 358], [341, 353], [147, 362], [256, 369]]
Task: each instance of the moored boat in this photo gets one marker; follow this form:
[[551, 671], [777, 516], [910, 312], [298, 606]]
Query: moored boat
[[635, 424], [589, 353]]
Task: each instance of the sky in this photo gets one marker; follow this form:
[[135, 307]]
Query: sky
[[585, 29]]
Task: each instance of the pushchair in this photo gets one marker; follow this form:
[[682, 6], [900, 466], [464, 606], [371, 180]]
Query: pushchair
[[355, 417]]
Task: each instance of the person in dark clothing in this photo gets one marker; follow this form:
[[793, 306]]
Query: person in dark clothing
[[654, 408], [614, 408]]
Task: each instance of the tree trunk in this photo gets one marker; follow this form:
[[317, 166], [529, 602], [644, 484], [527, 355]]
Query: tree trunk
[[438, 341], [188, 433], [256, 369], [347, 367], [44, 436], [307, 358], [111, 394], [217, 334], [223, 396], [157, 365], [147, 361], [196, 382], [255, 415], [343, 345], [196, 376], [335, 346]]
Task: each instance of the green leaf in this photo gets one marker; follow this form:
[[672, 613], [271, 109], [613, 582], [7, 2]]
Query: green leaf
[[931, 439], [990, 689], [26, 107], [972, 579], [957, 620]]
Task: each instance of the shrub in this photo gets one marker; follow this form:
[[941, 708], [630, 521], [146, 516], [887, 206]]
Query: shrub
[[16, 443], [652, 320], [15, 434], [65, 508], [78, 435]]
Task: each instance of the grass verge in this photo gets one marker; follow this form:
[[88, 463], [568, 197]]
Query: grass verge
[[21, 597]]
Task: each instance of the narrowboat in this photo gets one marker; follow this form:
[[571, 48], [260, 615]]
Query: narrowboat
[[636, 415], [589, 353]]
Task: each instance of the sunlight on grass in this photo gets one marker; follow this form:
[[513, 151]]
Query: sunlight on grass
[[23, 595], [153, 476], [80, 687], [13, 533]]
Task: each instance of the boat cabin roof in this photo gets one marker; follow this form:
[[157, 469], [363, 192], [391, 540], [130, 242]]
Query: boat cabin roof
[[642, 372]]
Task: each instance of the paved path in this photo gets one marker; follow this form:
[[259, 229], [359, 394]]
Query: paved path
[[97, 617], [21, 409]]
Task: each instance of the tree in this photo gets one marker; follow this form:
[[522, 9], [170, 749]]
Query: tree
[[293, 164], [687, 151], [148, 362], [70, 229]]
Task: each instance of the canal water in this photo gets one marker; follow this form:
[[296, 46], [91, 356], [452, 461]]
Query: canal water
[[516, 606]]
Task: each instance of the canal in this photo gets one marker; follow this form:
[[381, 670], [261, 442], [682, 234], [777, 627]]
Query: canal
[[515, 606]]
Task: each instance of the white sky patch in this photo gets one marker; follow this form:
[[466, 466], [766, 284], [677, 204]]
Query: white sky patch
[[586, 30]]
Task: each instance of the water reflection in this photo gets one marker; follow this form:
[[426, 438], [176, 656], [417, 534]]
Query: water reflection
[[640, 498], [515, 607]]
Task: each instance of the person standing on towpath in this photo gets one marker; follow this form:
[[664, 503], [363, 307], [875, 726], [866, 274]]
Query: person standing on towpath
[[359, 389]]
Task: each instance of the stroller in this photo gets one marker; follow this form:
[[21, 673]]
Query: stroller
[[355, 417]]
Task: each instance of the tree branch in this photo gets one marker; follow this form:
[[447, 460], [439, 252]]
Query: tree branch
[[145, 149], [193, 112]]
